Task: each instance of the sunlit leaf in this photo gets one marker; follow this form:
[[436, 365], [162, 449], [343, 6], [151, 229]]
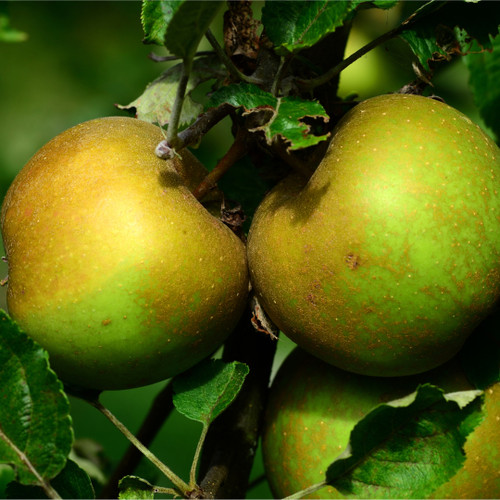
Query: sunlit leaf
[[283, 116], [444, 29], [244, 95], [132, 487], [155, 103], [293, 26], [288, 122]]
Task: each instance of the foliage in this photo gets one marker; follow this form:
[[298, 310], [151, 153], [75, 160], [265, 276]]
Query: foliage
[[484, 68], [270, 76], [286, 113], [394, 443]]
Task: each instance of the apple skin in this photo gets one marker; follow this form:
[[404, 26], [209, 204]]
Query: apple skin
[[385, 260], [480, 475], [313, 406], [114, 267]]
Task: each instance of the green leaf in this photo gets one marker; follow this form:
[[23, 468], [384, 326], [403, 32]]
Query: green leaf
[[283, 116], [444, 29], [153, 21], [293, 26], [132, 487], [155, 103], [178, 24], [242, 95], [484, 70], [189, 21], [385, 4], [409, 447], [287, 122], [71, 482], [7, 32], [206, 390], [35, 423]]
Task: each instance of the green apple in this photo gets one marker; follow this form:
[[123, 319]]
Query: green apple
[[313, 406], [114, 267], [480, 475], [385, 260]]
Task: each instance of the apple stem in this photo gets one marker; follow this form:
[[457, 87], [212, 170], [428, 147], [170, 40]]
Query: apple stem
[[197, 453], [165, 491], [173, 124], [229, 449], [194, 133], [181, 486], [278, 77], [156, 58], [234, 153], [160, 409], [203, 124]]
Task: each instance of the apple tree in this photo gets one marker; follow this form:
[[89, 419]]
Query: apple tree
[[272, 71]]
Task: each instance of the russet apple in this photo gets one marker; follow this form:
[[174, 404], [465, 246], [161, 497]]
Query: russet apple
[[313, 407], [114, 267], [384, 261]]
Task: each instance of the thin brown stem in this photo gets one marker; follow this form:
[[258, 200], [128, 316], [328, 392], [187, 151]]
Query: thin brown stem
[[160, 410], [226, 60], [203, 124], [173, 124], [156, 58], [194, 133], [234, 153], [333, 72], [181, 486], [165, 491], [197, 454], [231, 442], [276, 85]]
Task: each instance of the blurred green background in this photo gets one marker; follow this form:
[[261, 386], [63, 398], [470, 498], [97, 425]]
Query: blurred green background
[[83, 57]]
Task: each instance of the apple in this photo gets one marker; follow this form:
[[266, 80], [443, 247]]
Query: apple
[[114, 267], [385, 260], [313, 406]]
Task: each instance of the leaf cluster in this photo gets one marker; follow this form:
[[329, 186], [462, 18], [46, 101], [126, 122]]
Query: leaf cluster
[[394, 449], [286, 67], [276, 85]]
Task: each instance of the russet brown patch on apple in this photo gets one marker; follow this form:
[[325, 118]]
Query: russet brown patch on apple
[[352, 261]]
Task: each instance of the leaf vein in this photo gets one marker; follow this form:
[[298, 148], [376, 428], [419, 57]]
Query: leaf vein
[[311, 24]]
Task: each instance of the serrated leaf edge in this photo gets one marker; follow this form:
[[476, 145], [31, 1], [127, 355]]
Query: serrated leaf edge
[[461, 398]]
